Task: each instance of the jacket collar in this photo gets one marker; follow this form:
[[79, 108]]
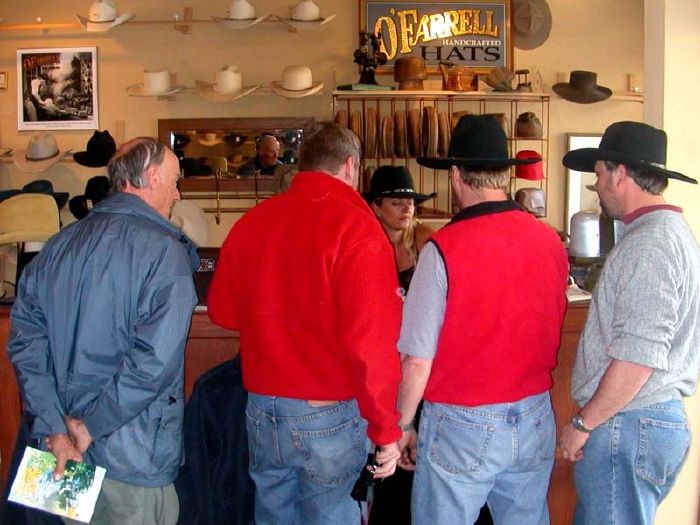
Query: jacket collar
[[485, 208]]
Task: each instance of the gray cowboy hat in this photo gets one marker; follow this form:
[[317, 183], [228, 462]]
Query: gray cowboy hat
[[631, 143]]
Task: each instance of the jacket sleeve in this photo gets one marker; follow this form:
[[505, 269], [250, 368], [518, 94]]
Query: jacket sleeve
[[28, 350], [370, 313], [155, 359]]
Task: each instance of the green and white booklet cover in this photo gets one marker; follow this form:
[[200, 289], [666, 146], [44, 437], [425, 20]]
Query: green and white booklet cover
[[73, 496]]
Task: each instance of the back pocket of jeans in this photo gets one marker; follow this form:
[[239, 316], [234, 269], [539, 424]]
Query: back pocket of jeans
[[459, 447], [335, 455], [663, 446], [253, 430]]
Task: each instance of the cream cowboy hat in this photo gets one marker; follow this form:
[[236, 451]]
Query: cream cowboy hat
[[227, 86], [241, 15], [297, 82], [192, 220], [306, 15], [41, 153], [155, 83], [103, 16], [209, 139], [28, 217]]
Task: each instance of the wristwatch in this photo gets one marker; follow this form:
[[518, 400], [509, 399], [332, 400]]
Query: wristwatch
[[577, 421]]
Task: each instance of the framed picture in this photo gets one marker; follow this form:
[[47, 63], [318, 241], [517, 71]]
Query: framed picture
[[3, 79], [475, 34], [57, 88], [578, 196]]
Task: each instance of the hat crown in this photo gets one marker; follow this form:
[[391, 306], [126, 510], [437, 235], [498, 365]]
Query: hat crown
[[585, 80], [103, 11], [228, 80], [528, 18], [102, 144], [42, 146], [297, 78], [306, 10], [241, 10], [636, 140], [156, 81], [478, 137], [391, 179], [97, 188]]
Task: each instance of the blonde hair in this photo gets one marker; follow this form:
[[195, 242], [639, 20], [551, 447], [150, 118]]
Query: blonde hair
[[409, 239], [493, 178]]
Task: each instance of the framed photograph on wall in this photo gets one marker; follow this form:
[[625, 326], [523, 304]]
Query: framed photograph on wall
[[475, 34], [57, 88]]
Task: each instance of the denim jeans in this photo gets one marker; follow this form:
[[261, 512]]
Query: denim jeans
[[630, 464], [500, 454], [304, 460]]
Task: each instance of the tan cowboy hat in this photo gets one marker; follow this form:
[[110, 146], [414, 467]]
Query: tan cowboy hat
[[192, 220], [227, 86], [103, 16], [155, 83], [28, 217], [41, 153], [532, 22], [210, 139], [297, 82]]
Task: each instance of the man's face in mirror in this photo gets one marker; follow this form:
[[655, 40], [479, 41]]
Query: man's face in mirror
[[268, 149]]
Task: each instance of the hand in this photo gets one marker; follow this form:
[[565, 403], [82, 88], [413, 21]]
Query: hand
[[79, 433], [572, 442], [408, 446], [386, 458], [64, 449]]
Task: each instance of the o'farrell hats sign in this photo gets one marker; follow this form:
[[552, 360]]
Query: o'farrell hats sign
[[473, 34]]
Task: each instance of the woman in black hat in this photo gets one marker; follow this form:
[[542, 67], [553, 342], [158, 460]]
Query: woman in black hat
[[393, 199]]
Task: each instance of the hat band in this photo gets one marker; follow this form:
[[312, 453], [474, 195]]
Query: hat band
[[40, 159], [400, 190], [657, 165]]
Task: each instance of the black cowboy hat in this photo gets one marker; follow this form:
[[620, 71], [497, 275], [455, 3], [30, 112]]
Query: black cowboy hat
[[477, 140], [582, 88], [38, 186], [631, 143], [393, 182], [100, 148], [96, 189]]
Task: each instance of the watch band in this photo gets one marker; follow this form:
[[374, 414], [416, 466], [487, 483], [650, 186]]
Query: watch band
[[577, 421], [406, 428]]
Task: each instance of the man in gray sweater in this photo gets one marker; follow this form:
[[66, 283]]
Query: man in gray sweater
[[640, 349]]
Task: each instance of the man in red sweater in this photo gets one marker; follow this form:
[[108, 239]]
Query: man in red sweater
[[308, 279]]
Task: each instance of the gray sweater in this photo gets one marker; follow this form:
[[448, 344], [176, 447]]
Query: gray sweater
[[645, 310]]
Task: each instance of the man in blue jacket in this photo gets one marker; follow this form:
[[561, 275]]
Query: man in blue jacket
[[98, 334]]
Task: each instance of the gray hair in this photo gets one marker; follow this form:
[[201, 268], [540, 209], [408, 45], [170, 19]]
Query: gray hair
[[128, 165], [326, 147]]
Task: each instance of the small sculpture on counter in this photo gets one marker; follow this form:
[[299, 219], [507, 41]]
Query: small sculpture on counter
[[369, 60]]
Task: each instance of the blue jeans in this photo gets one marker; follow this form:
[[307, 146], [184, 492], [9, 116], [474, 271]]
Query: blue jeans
[[304, 460], [630, 464], [500, 454]]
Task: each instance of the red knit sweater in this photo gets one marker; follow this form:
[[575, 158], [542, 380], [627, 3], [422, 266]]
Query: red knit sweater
[[308, 278]]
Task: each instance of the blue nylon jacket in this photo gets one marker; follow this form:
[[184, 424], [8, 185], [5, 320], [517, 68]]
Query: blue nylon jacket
[[98, 332]]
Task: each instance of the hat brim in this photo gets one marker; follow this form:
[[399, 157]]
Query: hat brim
[[584, 160], [19, 158], [444, 163], [206, 91], [210, 143], [580, 96], [276, 86], [85, 159], [306, 24], [419, 198], [136, 90], [101, 27], [230, 23]]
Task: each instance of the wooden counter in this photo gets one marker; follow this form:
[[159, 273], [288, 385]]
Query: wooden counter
[[209, 345]]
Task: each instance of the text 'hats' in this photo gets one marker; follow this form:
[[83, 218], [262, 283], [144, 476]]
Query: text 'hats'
[[41, 153], [631, 143], [96, 189], [529, 171], [393, 182], [297, 82], [582, 88], [532, 22], [29, 217], [155, 83], [100, 148], [227, 86], [103, 16], [477, 140]]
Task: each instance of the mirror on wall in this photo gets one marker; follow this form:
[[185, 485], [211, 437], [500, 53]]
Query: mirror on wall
[[225, 148], [578, 197]]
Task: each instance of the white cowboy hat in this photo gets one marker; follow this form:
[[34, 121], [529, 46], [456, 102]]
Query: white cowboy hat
[[306, 15], [227, 86], [241, 14], [192, 220], [103, 16], [231, 23], [28, 217], [155, 83], [41, 153], [297, 82], [209, 139]]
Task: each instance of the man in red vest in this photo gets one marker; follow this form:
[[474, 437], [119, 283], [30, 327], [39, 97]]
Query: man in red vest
[[479, 340]]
